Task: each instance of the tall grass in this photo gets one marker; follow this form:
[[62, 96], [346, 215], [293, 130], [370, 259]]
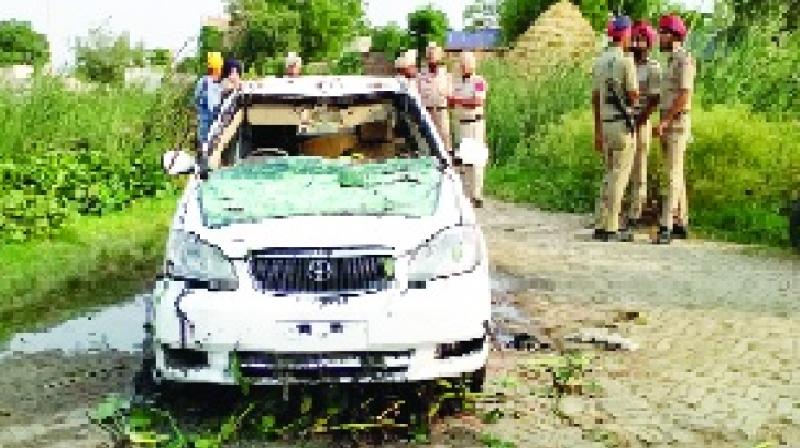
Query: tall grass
[[65, 153], [760, 71], [521, 106]]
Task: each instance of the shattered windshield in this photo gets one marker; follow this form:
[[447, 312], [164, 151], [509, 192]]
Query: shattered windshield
[[344, 156]]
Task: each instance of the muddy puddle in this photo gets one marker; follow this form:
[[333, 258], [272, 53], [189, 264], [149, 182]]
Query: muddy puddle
[[115, 328]]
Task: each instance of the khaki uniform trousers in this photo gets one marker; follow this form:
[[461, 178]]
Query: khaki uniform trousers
[[473, 175], [638, 182], [618, 153], [441, 119], [673, 145]]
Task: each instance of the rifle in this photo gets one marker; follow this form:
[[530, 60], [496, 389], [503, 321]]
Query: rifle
[[615, 100]]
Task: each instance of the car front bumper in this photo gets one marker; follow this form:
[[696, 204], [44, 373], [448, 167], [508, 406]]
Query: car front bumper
[[440, 331]]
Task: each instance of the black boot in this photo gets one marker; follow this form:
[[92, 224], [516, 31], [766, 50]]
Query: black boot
[[680, 232], [598, 234], [664, 236]]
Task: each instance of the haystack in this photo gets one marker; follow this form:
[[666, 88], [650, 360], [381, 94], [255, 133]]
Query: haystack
[[560, 35]]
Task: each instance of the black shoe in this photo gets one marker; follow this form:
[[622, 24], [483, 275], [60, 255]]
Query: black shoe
[[680, 233], [626, 235], [664, 236], [477, 203], [598, 234], [612, 237]]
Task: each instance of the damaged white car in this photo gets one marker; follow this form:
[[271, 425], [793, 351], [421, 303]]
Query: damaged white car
[[323, 237]]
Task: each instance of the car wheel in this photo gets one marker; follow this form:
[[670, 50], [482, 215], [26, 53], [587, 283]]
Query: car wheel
[[794, 225], [477, 380]]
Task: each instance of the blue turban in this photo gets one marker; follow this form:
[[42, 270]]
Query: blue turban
[[619, 26], [228, 67]]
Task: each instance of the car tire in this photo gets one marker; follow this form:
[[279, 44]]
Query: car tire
[[794, 224], [477, 380]]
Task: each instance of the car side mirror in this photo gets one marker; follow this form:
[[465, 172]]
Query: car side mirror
[[177, 162]]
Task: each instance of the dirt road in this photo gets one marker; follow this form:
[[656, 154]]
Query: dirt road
[[715, 357]]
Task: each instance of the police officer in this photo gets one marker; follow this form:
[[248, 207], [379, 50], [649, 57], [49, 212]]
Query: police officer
[[293, 65], [675, 125], [435, 87], [614, 88], [406, 66], [231, 76], [648, 72], [468, 98]]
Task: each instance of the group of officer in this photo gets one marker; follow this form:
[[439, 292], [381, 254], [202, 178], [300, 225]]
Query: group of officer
[[440, 94], [627, 87]]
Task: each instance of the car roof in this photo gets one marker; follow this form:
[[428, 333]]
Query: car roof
[[316, 86]]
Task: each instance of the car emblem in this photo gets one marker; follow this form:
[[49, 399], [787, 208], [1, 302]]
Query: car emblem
[[319, 270]]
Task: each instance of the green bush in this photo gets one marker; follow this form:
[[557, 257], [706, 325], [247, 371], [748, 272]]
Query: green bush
[[739, 176], [555, 169], [66, 153], [760, 70], [520, 107]]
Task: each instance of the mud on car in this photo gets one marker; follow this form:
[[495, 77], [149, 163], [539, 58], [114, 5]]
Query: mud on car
[[323, 236]]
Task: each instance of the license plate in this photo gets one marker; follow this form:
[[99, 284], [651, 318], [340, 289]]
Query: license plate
[[323, 335]]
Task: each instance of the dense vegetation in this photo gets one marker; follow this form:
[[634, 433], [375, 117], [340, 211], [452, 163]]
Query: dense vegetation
[[67, 153]]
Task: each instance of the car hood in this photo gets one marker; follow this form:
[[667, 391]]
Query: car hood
[[306, 186]]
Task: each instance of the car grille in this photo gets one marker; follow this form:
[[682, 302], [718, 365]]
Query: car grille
[[321, 367], [322, 273]]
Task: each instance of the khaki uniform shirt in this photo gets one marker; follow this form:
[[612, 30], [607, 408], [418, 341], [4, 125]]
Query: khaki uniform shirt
[[434, 88], [613, 64], [411, 83], [649, 77], [679, 75], [468, 88]]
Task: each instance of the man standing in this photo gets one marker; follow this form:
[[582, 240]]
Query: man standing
[[675, 125], [614, 88], [208, 96], [293, 65], [648, 72], [406, 66], [231, 76], [469, 96], [435, 87]]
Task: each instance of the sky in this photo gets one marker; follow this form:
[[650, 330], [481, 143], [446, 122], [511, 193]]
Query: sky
[[171, 23]]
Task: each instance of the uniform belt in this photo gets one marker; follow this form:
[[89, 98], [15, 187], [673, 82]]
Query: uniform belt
[[614, 119], [437, 108], [473, 120]]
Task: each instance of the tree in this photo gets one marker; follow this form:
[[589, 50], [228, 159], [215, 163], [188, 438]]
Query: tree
[[103, 57], [159, 57], [390, 39], [426, 25], [744, 14], [481, 14], [19, 44], [318, 29]]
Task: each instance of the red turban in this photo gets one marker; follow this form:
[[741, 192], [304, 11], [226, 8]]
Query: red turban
[[643, 29], [673, 24]]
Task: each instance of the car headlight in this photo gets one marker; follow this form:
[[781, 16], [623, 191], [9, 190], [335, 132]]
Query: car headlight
[[452, 251], [190, 258]]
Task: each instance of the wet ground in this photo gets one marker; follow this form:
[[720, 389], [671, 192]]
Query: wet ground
[[689, 345]]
